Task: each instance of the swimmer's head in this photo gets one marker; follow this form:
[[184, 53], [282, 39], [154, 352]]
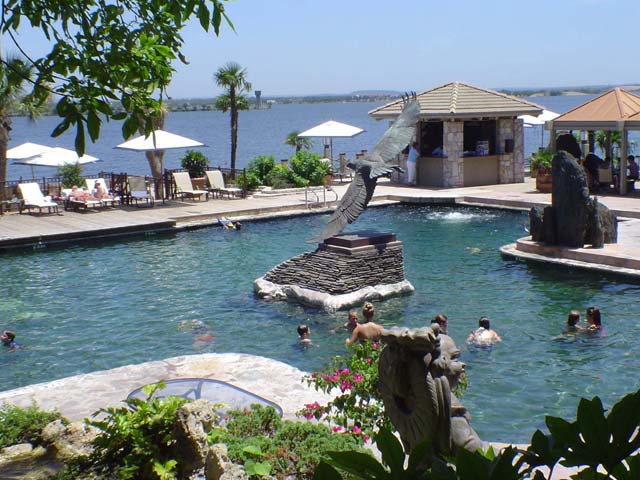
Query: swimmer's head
[[442, 320], [573, 318], [484, 322], [7, 336], [367, 311], [304, 330]]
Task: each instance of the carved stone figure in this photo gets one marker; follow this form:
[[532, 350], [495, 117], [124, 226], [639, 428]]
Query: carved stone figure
[[417, 369], [573, 219], [371, 167]]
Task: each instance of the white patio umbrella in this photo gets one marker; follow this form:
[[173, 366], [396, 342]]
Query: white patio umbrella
[[544, 117], [331, 129], [158, 141], [53, 157], [26, 150]]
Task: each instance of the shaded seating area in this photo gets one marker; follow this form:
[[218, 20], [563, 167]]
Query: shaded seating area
[[32, 197], [184, 187], [217, 186]]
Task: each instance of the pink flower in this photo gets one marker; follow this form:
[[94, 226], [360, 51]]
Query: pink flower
[[345, 385], [356, 430], [357, 378], [375, 345], [336, 429], [365, 438], [308, 415], [344, 371], [368, 360], [314, 375], [313, 406]]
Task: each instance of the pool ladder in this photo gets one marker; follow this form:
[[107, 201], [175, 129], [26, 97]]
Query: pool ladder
[[317, 203]]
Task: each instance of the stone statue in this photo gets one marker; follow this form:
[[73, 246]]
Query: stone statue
[[417, 369], [370, 168], [574, 218]]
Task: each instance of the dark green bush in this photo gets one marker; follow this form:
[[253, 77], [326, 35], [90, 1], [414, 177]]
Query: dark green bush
[[287, 449], [280, 177], [308, 167], [70, 175], [249, 179], [195, 163], [261, 166], [23, 425]]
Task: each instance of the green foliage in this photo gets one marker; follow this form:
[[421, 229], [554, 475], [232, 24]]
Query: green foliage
[[137, 440], [308, 169], [195, 163], [266, 444], [261, 166], [70, 175], [358, 408], [23, 425], [541, 161], [299, 143], [248, 179], [108, 60], [223, 103], [279, 177], [593, 441]]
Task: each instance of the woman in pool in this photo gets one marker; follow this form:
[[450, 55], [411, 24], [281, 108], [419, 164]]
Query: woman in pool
[[594, 320]]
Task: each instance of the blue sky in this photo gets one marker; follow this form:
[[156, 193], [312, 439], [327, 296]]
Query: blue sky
[[292, 47]]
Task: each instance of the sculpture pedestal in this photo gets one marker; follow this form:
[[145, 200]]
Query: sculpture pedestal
[[344, 271]]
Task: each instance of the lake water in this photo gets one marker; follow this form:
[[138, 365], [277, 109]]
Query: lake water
[[260, 132], [91, 307]]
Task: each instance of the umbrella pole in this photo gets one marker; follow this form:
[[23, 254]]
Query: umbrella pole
[[33, 172]]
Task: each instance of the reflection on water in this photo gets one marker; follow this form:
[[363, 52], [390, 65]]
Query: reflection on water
[[95, 307]]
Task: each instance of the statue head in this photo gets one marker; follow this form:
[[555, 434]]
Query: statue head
[[447, 363]]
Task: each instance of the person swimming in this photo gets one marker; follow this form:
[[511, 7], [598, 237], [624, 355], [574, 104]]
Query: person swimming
[[483, 336], [8, 339], [573, 322], [304, 334]]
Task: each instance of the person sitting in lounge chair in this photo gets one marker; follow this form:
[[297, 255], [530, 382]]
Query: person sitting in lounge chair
[[100, 192]]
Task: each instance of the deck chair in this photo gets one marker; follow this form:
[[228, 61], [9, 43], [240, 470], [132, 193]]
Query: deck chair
[[32, 197], [184, 187], [106, 202], [216, 184], [138, 191], [71, 203]]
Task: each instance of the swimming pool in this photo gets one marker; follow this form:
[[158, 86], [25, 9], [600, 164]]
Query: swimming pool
[[87, 308]]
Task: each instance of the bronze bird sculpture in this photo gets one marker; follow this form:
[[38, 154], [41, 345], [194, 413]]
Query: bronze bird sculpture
[[373, 166]]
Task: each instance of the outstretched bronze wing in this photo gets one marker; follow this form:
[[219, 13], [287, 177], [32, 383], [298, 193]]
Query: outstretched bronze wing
[[367, 170]]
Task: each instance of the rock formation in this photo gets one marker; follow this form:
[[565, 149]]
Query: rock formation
[[574, 218]]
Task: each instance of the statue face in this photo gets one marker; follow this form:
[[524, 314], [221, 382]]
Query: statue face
[[448, 363]]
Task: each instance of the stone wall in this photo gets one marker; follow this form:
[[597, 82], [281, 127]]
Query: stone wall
[[453, 174], [511, 166], [339, 271]]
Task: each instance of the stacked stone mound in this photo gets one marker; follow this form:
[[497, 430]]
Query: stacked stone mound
[[574, 219], [327, 270]]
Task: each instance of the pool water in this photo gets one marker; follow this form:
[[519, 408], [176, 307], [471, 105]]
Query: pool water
[[94, 307]]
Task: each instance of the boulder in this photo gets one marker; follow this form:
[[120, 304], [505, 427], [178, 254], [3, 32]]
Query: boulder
[[535, 224], [194, 420], [218, 466], [69, 441], [549, 226], [570, 200], [569, 144]]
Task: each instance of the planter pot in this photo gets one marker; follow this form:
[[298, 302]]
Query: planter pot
[[544, 182], [328, 179]]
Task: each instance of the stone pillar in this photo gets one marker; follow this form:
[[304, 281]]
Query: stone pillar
[[342, 160], [518, 150], [453, 172], [504, 131]]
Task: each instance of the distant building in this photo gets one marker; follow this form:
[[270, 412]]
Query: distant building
[[258, 99]]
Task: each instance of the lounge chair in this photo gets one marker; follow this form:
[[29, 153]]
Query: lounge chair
[[184, 187], [32, 197], [216, 184], [106, 202], [138, 191]]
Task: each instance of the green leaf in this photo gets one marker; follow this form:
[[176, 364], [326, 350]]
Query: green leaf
[[262, 468], [60, 128], [361, 465], [93, 124], [623, 421], [593, 425], [253, 450], [203, 15], [80, 138], [324, 471], [391, 450], [472, 465]]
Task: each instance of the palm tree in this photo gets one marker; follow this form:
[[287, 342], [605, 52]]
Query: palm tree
[[233, 78], [293, 140], [14, 74]]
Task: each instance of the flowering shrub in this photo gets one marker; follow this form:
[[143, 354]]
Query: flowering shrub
[[357, 409]]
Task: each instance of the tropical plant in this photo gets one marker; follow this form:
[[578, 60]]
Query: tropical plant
[[70, 174], [601, 447], [233, 78], [195, 163], [541, 161], [261, 166], [616, 140], [15, 74], [108, 60], [293, 140], [22, 425], [308, 169], [136, 441], [279, 177], [268, 445]]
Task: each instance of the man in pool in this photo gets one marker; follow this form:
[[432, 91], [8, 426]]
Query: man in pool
[[365, 331], [304, 335], [350, 324], [483, 335]]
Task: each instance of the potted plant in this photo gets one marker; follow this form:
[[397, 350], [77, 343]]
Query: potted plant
[[541, 165], [196, 164]]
